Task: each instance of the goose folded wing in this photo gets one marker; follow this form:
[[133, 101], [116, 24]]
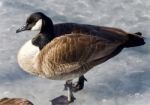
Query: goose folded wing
[[69, 52]]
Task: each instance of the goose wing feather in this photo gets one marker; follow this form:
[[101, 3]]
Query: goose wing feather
[[69, 52]]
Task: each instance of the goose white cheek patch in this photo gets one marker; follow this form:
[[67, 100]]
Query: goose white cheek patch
[[37, 26]]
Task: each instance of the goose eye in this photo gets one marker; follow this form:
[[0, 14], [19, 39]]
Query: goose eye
[[30, 21]]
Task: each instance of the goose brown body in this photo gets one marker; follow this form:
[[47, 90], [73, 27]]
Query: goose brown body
[[72, 55]]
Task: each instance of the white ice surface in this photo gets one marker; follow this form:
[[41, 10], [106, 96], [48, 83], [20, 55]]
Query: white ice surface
[[123, 80]]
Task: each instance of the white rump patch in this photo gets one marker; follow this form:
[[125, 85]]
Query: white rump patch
[[37, 26]]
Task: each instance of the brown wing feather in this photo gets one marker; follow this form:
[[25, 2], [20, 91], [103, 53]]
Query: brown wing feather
[[69, 52]]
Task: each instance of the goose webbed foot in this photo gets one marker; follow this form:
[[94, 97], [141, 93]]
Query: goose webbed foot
[[80, 84]]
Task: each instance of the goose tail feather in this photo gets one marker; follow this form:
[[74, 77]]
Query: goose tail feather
[[135, 40]]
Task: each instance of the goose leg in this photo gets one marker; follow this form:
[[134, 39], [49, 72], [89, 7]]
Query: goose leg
[[71, 98], [80, 84], [65, 100]]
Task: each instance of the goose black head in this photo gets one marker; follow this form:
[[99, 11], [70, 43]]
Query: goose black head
[[38, 21]]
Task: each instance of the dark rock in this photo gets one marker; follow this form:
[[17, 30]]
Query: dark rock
[[61, 100]]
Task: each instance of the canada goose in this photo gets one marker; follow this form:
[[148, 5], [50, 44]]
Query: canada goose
[[69, 50]]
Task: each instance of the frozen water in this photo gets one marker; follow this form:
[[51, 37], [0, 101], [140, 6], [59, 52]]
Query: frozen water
[[123, 80]]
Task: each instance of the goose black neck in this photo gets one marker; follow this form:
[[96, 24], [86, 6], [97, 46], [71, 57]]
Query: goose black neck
[[47, 27], [46, 34]]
